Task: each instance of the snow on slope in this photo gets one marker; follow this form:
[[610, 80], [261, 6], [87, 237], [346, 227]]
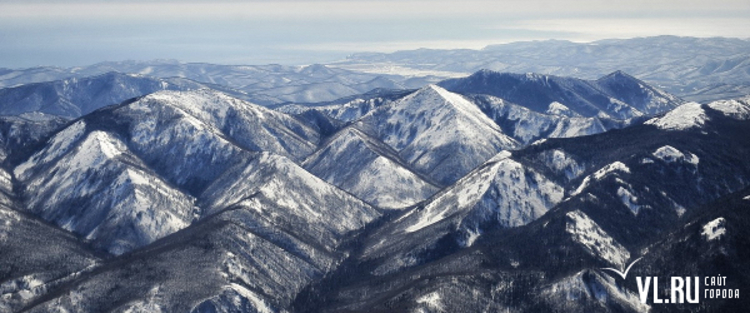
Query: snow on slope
[[75, 97], [612, 168], [691, 115], [190, 138], [526, 125], [670, 154], [502, 190], [368, 169], [686, 116], [278, 188], [617, 95], [441, 134], [592, 287], [714, 229], [595, 240], [249, 126], [94, 186]]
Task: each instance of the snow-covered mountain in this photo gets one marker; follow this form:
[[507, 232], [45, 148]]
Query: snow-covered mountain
[[275, 188], [398, 201], [616, 95], [264, 84], [439, 133], [92, 185], [546, 107], [369, 169], [128, 175], [19, 135], [350, 108], [696, 69], [527, 126], [36, 257], [267, 226], [500, 193], [623, 191], [192, 137], [75, 97]]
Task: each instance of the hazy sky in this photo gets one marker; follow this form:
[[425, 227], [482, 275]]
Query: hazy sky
[[69, 33]]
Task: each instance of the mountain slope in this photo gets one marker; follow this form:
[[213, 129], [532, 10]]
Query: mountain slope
[[35, 256], [75, 97], [253, 250], [527, 126], [125, 176], [298, 198], [202, 133], [500, 193], [268, 85], [685, 66], [19, 135], [368, 169], [617, 95], [90, 184], [624, 191], [431, 127]]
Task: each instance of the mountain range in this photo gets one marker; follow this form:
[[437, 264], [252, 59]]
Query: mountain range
[[696, 69], [492, 192]]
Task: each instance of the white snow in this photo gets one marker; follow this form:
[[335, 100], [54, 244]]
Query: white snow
[[56, 147], [628, 199], [683, 117], [292, 192], [501, 189], [601, 288], [560, 161], [366, 168], [472, 236], [5, 181], [557, 108], [431, 300], [670, 154], [387, 185], [258, 303], [595, 240], [611, 168], [714, 229], [577, 126], [431, 125], [738, 109]]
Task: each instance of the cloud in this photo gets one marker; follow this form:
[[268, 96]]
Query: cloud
[[380, 9]]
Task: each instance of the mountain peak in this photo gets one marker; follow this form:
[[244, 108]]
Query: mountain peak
[[618, 75], [429, 126]]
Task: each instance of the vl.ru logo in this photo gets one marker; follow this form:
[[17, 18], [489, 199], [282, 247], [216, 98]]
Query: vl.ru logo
[[681, 289]]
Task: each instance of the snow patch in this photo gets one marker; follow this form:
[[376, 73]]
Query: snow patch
[[736, 109], [684, 117], [714, 229], [595, 240], [670, 154], [560, 161], [557, 108], [56, 147], [258, 303], [614, 167], [431, 300], [628, 199]]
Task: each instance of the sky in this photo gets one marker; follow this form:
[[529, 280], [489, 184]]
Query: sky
[[83, 32]]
